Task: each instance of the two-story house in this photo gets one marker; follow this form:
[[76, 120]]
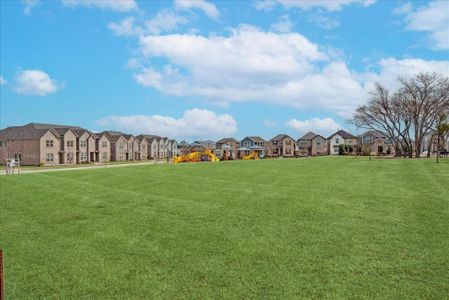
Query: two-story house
[[312, 144], [341, 139], [253, 143], [281, 145], [226, 148]]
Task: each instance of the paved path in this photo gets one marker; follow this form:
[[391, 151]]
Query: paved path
[[99, 166]]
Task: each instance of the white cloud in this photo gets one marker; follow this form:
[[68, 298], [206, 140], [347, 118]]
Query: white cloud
[[125, 27], [391, 69], [329, 5], [323, 126], [250, 65], [284, 25], [208, 8], [3, 81], [114, 5], [165, 21], [195, 123], [35, 82], [29, 5], [323, 21], [432, 19]]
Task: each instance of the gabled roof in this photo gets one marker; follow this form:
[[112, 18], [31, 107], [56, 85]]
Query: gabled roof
[[280, 137], [49, 126], [113, 136], [228, 140], [256, 139], [205, 143], [308, 136], [25, 133], [375, 133], [343, 134]]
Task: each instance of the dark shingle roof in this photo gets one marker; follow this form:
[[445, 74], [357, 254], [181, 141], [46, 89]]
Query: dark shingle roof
[[228, 140], [280, 137], [375, 133], [308, 136], [256, 139], [343, 134], [24, 133]]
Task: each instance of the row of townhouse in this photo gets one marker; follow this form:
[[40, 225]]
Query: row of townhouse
[[50, 144], [282, 145]]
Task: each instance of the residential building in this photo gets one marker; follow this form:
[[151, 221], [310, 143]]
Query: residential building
[[342, 139], [226, 148], [103, 147], [377, 142], [119, 146], [281, 145], [30, 145], [253, 143], [312, 144], [208, 144]]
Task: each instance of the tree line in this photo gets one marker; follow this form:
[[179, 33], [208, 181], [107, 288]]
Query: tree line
[[417, 110]]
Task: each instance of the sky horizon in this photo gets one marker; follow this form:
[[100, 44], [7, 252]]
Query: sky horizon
[[201, 69]]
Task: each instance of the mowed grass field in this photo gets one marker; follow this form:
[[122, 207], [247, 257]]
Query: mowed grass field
[[287, 228]]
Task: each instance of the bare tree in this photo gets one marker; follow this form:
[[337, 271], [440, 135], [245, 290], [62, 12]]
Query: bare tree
[[407, 115], [424, 98], [385, 113]]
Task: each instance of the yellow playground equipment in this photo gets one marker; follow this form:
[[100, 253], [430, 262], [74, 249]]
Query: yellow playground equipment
[[197, 156], [253, 155]]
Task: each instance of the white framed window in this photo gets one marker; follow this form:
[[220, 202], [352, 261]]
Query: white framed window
[[49, 143], [50, 157]]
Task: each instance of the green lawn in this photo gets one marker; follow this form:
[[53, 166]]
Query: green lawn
[[287, 228]]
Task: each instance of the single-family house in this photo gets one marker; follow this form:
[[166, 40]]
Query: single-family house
[[253, 143], [281, 145], [377, 142], [226, 148], [341, 141], [312, 144]]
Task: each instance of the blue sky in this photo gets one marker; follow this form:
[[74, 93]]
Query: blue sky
[[203, 69]]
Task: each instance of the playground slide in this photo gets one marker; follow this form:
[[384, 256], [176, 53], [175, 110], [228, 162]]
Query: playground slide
[[197, 156]]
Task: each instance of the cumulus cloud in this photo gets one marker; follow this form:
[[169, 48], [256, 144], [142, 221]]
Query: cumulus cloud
[[329, 5], [208, 8], [432, 19], [251, 65], [195, 123], [323, 126], [114, 5], [3, 81], [392, 68], [35, 82]]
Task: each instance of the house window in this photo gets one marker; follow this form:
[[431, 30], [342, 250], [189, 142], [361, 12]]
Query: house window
[[337, 141], [120, 145], [50, 157], [2, 144], [104, 155], [83, 143], [69, 144], [49, 143], [318, 143], [104, 144]]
